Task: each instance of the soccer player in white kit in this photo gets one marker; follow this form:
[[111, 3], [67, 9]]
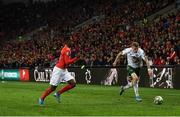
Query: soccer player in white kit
[[135, 55]]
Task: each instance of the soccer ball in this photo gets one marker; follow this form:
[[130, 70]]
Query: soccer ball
[[158, 100]]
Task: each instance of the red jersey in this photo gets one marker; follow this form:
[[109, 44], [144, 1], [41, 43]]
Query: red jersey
[[65, 58]]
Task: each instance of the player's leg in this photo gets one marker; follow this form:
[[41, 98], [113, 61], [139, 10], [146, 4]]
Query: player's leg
[[71, 84], [130, 70], [54, 81], [46, 93], [129, 85], [135, 81]]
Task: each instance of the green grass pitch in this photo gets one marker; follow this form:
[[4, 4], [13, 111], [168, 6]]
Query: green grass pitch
[[21, 98]]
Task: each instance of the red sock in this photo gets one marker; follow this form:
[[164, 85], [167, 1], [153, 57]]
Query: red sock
[[66, 88], [46, 93]]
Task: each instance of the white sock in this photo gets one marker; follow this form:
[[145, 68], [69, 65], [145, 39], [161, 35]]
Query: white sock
[[136, 89], [128, 85]]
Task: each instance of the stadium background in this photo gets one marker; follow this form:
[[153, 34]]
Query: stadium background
[[32, 34]]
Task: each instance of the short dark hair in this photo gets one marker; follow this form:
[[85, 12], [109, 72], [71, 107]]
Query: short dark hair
[[66, 39], [135, 44]]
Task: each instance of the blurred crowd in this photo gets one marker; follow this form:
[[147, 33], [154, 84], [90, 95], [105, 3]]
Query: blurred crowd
[[159, 38], [21, 18], [98, 42]]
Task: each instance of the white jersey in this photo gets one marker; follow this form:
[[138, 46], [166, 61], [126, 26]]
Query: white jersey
[[134, 59]]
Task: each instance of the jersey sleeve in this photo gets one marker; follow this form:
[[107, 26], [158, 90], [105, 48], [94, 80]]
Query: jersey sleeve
[[125, 51], [67, 58], [142, 54]]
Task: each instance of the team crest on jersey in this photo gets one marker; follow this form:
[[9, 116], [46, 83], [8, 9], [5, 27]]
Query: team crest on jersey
[[68, 53], [135, 55]]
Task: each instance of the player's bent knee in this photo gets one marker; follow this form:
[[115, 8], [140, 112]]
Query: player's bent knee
[[74, 85], [72, 82], [53, 88], [134, 77]]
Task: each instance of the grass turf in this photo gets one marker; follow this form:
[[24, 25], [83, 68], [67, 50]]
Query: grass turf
[[21, 98]]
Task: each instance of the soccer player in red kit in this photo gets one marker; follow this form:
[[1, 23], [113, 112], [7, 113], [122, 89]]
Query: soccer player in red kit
[[60, 73]]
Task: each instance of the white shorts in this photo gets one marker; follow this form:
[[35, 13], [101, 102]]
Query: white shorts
[[60, 75]]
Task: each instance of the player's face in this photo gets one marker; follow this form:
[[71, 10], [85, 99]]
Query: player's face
[[135, 49]]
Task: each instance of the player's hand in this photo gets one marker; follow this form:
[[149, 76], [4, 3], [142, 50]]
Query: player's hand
[[78, 55], [114, 64], [150, 72]]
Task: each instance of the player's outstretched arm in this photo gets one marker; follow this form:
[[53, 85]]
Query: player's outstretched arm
[[150, 72], [117, 58]]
